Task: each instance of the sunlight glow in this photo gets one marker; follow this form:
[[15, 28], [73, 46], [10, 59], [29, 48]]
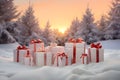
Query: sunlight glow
[[62, 30]]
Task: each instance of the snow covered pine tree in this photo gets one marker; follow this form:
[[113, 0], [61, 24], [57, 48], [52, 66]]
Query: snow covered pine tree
[[88, 30], [31, 25], [113, 29], [8, 12]]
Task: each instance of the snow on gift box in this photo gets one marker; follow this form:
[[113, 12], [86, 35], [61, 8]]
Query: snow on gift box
[[74, 48], [60, 59], [19, 54], [36, 45], [44, 58], [96, 53]]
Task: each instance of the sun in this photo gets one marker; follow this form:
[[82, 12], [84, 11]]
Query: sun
[[62, 30]]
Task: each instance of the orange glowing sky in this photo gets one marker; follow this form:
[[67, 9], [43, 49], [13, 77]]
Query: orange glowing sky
[[60, 13]]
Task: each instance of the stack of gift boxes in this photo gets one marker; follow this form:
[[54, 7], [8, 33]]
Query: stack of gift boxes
[[74, 51]]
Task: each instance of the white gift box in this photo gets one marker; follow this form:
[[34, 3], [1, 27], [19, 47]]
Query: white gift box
[[96, 55], [19, 55], [75, 50], [69, 52], [69, 45], [15, 56], [60, 60], [28, 61], [43, 58], [36, 46]]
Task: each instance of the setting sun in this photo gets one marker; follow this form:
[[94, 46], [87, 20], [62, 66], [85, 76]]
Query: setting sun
[[62, 30]]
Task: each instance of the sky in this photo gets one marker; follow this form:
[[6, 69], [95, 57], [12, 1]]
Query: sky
[[60, 13]]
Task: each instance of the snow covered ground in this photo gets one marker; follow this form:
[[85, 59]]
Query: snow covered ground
[[107, 70]]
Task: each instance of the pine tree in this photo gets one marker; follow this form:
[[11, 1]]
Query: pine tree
[[5, 36], [73, 28], [48, 34], [29, 20], [102, 24], [88, 30], [113, 29], [8, 10], [31, 25]]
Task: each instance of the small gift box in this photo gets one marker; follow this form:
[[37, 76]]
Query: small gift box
[[44, 58], [19, 54], [74, 48], [60, 59], [84, 59], [28, 60], [36, 45], [96, 53]]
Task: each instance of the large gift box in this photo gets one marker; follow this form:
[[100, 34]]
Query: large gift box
[[19, 54], [60, 59], [36, 45], [74, 49], [44, 58], [96, 53], [28, 59]]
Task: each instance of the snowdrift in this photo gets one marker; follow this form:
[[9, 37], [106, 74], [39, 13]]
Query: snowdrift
[[107, 70]]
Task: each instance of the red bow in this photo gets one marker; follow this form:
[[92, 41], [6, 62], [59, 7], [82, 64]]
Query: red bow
[[79, 40], [36, 41], [22, 47], [83, 55], [97, 45], [62, 55]]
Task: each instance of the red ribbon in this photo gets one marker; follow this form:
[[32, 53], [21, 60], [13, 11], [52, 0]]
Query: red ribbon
[[61, 55], [21, 47], [28, 54], [83, 56], [71, 40], [97, 46], [36, 41], [79, 40]]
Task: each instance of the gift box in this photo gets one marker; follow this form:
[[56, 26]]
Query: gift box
[[36, 45], [44, 58], [84, 59], [19, 54], [28, 59], [96, 53], [60, 59], [74, 49]]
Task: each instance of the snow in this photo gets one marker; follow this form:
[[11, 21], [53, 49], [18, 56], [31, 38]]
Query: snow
[[107, 70]]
